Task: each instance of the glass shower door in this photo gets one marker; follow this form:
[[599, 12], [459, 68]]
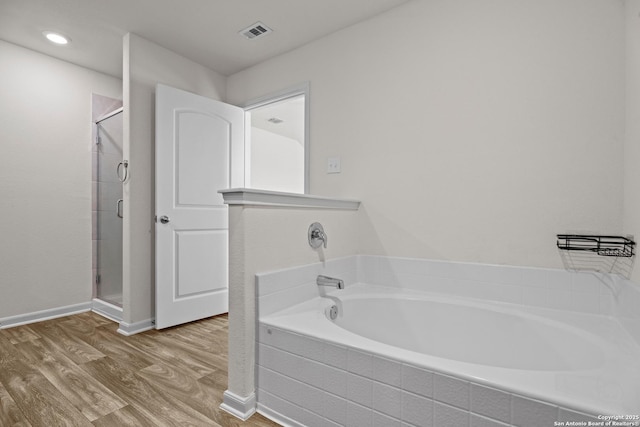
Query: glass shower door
[[109, 231]]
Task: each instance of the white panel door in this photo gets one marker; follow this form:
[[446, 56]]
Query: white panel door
[[199, 150]]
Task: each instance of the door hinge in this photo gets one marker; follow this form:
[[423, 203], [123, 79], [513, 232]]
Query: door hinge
[[97, 279]]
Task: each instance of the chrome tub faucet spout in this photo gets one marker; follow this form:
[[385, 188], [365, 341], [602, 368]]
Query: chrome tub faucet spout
[[330, 281]]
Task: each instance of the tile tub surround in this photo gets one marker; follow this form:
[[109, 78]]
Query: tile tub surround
[[580, 292], [307, 382], [346, 392]]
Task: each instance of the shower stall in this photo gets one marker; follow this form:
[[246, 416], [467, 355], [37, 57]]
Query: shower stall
[[110, 171]]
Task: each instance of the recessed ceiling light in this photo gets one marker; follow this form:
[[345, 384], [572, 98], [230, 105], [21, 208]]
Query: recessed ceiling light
[[56, 38]]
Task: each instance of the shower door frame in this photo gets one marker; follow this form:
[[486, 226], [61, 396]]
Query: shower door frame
[[103, 212]]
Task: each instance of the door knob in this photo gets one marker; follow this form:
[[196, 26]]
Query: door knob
[[164, 219]]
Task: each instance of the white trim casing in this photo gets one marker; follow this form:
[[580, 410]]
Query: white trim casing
[[248, 196], [277, 417], [293, 91], [238, 406], [128, 329], [107, 310]]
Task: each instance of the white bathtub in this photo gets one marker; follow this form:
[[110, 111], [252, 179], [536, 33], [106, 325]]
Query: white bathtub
[[470, 332], [518, 356]]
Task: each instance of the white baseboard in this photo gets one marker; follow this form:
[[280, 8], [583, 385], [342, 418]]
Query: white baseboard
[[128, 329], [39, 316], [238, 406], [106, 309], [277, 417]]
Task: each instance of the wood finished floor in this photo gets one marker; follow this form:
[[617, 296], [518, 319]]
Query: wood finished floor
[[78, 371]]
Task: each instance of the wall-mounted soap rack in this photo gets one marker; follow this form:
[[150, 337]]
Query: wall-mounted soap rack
[[604, 253], [618, 246]]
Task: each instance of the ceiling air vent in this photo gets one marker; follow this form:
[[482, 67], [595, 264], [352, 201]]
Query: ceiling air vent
[[256, 30]]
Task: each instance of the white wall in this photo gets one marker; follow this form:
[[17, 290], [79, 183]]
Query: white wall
[[471, 131], [145, 65], [277, 162], [45, 179], [632, 136]]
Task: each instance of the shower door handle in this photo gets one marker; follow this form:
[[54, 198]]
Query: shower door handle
[[164, 219], [122, 177], [118, 208]]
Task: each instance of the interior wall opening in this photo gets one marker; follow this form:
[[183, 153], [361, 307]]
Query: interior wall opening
[[277, 142]]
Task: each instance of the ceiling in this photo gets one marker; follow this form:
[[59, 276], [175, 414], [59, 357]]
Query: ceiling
[[205, 31], [289, 115]]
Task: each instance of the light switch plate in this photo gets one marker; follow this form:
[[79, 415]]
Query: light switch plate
[[333, 164]]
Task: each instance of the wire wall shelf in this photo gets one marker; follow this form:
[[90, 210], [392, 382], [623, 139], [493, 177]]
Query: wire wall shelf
[[606, 254]]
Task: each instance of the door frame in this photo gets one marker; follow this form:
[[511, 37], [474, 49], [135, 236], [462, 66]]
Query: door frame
[[281, 95]]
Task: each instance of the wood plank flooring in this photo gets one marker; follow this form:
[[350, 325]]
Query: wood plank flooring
[[78, 371]]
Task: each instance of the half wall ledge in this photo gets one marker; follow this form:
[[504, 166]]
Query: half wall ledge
[[262, 237], [253, 197]]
